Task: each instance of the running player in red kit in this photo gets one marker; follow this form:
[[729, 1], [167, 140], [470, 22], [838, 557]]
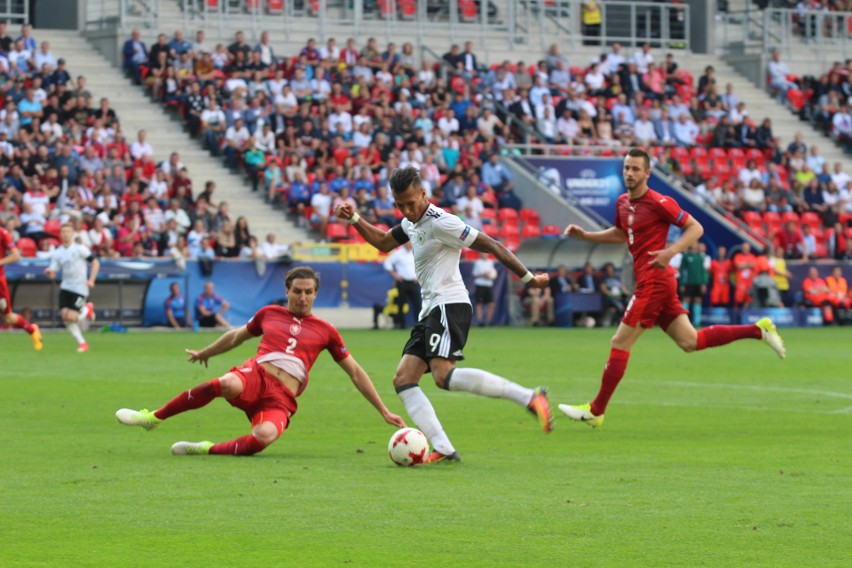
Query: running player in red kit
[[266, 386], [642, 218], [9, 254]]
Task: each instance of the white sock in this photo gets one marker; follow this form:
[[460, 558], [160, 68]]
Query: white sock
[[74, 329], [421, 412], [483, 383]]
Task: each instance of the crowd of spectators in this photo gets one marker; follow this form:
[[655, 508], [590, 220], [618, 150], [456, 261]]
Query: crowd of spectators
[[331, 123], [65, 159]]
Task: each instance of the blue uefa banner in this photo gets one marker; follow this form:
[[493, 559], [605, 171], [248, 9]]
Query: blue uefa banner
[[593, 185]]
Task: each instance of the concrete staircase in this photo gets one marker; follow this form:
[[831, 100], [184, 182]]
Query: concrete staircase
[[166, 134]]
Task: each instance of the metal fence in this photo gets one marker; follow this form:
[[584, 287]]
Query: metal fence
[[533, 22], [15, 11], [824, 35]]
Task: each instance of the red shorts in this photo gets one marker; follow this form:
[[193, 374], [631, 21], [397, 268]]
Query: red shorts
[[264, 397], [720, 295], [5, 296], [654, 303]]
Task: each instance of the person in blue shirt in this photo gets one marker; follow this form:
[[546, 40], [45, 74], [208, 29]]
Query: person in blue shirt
[[498, 177], [210, 308], [298, 197], [365, 181], [176, 311]]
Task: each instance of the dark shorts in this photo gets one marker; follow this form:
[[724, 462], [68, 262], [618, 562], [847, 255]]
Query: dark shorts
[[442, 333], [484, 294], [264, 397], [207, 321], [71, 300], [655, 303], [692, 291]]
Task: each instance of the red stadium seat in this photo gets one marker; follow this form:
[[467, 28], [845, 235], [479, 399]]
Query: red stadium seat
[[735, 153], [468, 11], [698, 152], [27, 247], [469, 254], [407, 9], [489, 216], [722, 169], [551, 231], [812, 219], [790, 216], [337, 232], [274, 6], [52, 227], [387, 8], [679, 152], [686, 166], [530, 217], [509, 232], [772, 221], [530, 232], [755, 154], [508, 216], [491, 230], [718, 154], [752, 218]]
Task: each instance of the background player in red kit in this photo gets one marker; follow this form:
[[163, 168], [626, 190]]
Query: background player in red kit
[[720, 275], [266, 386], [642, 218], [9, 254]]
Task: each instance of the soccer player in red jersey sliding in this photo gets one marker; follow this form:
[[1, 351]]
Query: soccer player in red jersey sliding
[[642, 218], [266, 386], [9, 254]]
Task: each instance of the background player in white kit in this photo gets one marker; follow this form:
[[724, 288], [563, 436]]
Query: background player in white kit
[[436, 342], [72, 259]]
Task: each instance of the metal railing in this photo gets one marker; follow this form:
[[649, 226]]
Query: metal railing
[[15, 11], [101, 14], [822, 35], [531, 22]]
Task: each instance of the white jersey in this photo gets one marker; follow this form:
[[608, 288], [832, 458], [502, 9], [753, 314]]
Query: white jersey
[[72, 261], [437, 239]]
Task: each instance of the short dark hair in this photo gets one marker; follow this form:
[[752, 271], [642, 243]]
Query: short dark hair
[[301, 272], [403, 178], [640, 153]]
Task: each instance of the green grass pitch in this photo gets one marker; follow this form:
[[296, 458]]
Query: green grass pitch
[[728, 457]]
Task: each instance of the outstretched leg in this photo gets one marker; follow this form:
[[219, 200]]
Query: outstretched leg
[[483, 383]]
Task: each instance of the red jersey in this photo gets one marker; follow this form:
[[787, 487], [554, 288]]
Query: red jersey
[[720, 271], [646, 222], [302, 338], [7, 243], [745, 265]]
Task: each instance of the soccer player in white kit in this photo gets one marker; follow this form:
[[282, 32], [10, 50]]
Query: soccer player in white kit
[[72, 259], [436, 342]]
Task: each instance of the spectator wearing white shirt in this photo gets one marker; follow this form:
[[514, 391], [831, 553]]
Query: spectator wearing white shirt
[[685, 131], [44, 57], [839, 177], [842, 126], [141, 147], [643, 129], [778, 72], [750, 172], [272, 250], [448, 123], [814, 160], [643, 58], [595, 80], [613, 60], [567, 128], [340, 117]]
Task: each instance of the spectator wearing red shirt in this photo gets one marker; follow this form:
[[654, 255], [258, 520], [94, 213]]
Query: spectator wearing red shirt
[[791, 241]]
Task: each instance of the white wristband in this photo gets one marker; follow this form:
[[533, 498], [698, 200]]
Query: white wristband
[[527, 277], [355, 218]]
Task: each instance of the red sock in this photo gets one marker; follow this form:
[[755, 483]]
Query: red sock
[[717, 335], [613, 371], [242, 446], [190, 400], [21, 323]]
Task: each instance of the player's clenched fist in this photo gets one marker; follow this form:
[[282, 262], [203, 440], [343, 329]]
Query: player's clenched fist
[[575, 232], [343, 211]]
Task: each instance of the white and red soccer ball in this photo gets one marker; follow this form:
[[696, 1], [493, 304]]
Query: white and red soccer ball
[[408, 447]]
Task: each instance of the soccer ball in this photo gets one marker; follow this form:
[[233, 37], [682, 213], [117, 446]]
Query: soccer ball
[[408, 447]]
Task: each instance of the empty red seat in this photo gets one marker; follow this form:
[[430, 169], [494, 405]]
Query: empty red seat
[[752, 218], [27, 247], [718, 153], [530, 216], [530, 231], [790, 216], [508, 216], [698, 152], [491, 230], [772, 220], [488, 216], [52, 227], [551, 231], [812, 219]]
